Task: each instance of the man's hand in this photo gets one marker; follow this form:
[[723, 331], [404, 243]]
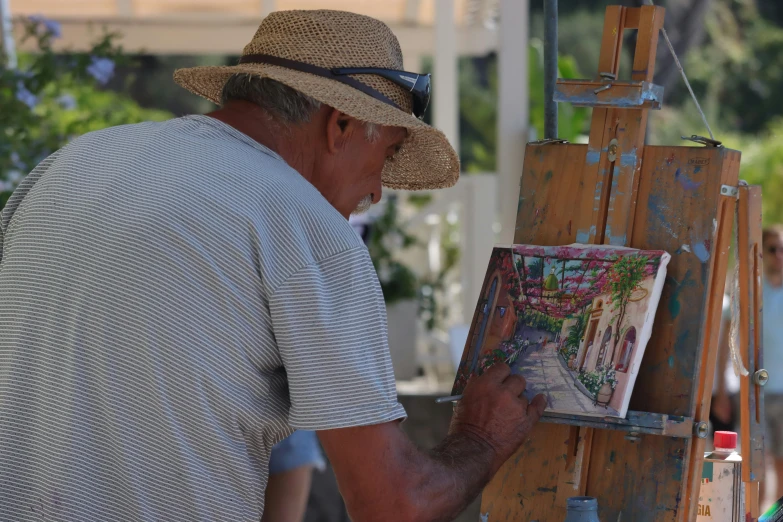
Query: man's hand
[[383, 476], [495, 411]]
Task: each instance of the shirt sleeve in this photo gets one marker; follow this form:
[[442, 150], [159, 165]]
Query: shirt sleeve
[[24, 187], [329, 321]]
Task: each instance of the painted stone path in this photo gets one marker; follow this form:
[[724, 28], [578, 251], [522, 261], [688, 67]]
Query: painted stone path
[[545, 374]]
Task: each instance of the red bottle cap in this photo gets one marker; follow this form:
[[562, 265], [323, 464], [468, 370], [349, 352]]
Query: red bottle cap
[[725, 439]]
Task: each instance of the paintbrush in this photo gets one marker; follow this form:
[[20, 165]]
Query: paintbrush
[[451, 398]]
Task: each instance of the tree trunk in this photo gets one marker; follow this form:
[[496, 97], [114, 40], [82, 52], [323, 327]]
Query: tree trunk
[[620, 320]]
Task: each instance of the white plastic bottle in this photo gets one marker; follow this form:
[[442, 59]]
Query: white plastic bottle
[[721, 496]]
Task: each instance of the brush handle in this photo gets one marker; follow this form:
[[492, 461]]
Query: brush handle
[[453, 398]]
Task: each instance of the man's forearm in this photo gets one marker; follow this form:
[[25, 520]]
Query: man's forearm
[[450, 476], [383, 476]]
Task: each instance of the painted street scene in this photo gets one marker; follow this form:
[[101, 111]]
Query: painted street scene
[[568, 319], [546, 373]]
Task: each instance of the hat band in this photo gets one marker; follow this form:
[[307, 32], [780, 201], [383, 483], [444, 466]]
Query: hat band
[[318, 71]]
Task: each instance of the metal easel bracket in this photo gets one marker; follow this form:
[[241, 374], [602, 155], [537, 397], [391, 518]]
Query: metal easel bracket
[[761, 377], [547, 141], [609, 93], [704, 141], [728, 190], [635, 422]]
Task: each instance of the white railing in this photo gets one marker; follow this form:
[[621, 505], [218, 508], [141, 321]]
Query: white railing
[[467, 212]]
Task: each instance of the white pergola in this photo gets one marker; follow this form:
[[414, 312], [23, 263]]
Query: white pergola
[[443, 29]]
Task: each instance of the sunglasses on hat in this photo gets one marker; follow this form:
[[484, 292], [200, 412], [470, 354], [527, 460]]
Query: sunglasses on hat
[[417, 84]]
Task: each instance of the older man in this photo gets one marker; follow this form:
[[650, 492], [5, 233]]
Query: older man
[[177, 297]]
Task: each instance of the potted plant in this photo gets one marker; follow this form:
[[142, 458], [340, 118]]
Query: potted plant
[[609, 383], [399, 285]]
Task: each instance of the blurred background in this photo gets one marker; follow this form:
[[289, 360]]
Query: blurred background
[[70, 67]]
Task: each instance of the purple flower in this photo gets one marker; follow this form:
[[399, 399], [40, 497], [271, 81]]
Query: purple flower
[[25, 96], [102, 69], [49, 26], [67, 101], [16, 161], [14, 176]]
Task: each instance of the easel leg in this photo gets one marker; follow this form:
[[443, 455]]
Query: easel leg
[[572, 480]]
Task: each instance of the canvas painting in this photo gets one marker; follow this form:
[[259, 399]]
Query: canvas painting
[[573, 320]]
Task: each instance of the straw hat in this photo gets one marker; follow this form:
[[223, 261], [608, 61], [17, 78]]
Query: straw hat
[[331, 39]]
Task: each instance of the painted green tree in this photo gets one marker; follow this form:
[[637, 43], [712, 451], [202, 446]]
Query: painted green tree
[[624, 278], [577, 331]]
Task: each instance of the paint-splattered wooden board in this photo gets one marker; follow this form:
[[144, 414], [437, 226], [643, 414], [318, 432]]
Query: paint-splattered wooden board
[[678, 208]]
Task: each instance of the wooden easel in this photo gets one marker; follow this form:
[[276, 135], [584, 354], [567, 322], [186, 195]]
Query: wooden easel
[[615, 190]]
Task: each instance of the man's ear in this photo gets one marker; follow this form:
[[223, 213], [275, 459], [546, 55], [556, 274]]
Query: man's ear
[[339, 128]]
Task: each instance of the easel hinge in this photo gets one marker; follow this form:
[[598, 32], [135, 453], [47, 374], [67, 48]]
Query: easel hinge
[[728, 190]]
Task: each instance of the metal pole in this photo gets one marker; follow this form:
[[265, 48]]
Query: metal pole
[[550, 68], [7, 31]]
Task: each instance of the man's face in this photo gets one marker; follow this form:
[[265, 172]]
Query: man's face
[[773, 254], [349, 176]]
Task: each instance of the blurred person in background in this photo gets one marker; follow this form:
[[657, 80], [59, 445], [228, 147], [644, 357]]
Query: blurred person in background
[[772, 319], [291, 466], [725, 393], [725, 407]]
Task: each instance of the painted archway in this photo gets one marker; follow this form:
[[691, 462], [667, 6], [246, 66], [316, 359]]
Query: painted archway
[[624, 359], [604, 346]]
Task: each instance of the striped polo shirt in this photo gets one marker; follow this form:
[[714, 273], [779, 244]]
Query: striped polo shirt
[[174, 300]]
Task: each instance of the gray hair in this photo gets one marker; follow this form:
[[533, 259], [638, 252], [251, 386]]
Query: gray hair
[[286, 104]]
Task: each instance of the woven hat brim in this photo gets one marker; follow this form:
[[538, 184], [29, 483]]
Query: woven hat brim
[[426, 160]]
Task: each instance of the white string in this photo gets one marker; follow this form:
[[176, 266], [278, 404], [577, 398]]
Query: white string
[[736, 359], [682, 72]]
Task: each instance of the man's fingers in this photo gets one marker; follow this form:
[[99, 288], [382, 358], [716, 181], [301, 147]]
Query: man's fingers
[[497, 372], [515, 383], [536, 407]]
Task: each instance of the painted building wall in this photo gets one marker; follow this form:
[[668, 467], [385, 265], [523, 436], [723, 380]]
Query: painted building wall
[[501, 318], [635, 317], [602, 315]]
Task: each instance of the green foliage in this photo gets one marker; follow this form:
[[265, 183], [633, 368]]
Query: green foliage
[[737, 71], [626, 275], [434, 310], [762, 164], [51, 98], [576, 332], [478, 108], [535, 270], [579, 36], [567, 351], [536, 319], [490, 359], [398, 282], [513, 348], [571, 121], [592, 381]]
